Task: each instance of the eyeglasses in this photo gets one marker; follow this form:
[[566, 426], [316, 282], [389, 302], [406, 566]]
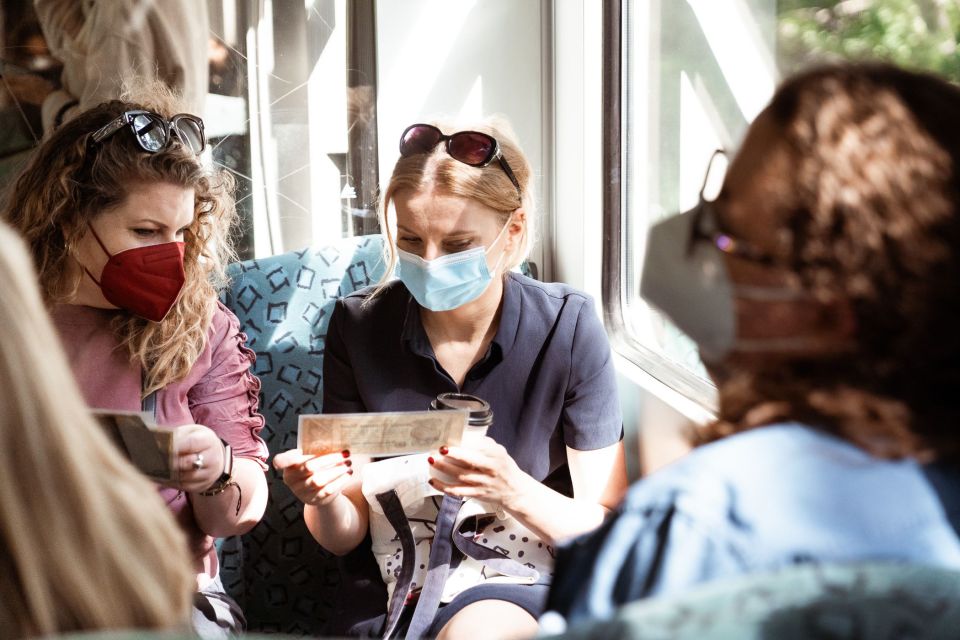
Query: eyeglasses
[[706, 228], [472, 148], [154, 132]]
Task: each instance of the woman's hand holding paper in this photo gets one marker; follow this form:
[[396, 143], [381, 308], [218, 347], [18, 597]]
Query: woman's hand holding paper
[[315, 480]]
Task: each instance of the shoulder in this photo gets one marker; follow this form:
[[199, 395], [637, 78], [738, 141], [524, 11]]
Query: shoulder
[[369, 303], [554, 293], [563, 308], [226, 347], [223, 334], [551, 302], [223, 324], [769, 465], [777, 447]]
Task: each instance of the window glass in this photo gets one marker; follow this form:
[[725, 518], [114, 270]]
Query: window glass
[[282, 113], [696, 73], [302, 135]]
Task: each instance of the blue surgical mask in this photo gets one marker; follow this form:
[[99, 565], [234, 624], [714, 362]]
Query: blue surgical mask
[[449, 281]]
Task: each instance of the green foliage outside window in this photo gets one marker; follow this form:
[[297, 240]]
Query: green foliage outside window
[[919, 34]]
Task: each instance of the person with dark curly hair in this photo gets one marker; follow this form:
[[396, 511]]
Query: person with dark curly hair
[[822, 287]]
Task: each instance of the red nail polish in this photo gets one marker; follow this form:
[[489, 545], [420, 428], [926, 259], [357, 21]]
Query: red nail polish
[[430, 460], [443, 451], [346, 453], [349, 463], [349, 472]]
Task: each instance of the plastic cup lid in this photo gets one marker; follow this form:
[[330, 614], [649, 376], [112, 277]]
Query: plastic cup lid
[[480, 412]]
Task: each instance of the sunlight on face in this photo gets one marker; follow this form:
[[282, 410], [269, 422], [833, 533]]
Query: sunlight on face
[[151, 214], [431, 224]]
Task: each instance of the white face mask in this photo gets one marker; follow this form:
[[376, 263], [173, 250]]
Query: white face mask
[[688, 281]]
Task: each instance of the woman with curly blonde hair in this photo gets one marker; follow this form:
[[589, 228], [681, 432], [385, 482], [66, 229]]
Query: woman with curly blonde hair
[[84, 543], [130, 234]]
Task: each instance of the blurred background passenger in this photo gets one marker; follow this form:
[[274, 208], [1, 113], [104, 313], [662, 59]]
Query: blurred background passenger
[[85, 541], [131, 234], [29, 73], [102, 44], [823, 289], [459, 319]]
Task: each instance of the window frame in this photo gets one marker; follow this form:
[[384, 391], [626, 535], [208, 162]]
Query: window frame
[[613, 256]]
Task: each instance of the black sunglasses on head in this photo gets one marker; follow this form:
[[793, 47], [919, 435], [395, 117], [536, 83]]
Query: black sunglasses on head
[[153, 132], [473, 148]]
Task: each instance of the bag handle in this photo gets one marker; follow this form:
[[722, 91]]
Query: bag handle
[[495, 560], [149, 403], [393, 510], [441, 555]]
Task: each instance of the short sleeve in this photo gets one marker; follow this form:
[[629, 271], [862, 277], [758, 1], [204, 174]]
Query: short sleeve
[[340, 391], [591, 410], [226, 398]]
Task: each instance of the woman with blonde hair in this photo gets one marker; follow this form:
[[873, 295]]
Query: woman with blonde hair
[[458, 214], [84, 541], [130, 234]]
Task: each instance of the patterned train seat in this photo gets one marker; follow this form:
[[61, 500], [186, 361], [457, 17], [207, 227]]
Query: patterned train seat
[[277, 573]]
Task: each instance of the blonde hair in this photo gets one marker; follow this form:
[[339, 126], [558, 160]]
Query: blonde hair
[[85, 540], [487, 185], [70, 181]]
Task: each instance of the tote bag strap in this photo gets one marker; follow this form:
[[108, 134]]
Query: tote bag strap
[[149, 403], [499, 562], [441, 555], [393, 510]]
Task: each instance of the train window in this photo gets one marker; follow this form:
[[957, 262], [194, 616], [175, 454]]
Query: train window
[[290, 104], [302, 141], [692, 75]]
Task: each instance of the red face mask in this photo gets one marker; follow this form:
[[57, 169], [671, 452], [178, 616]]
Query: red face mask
[[144, 281]]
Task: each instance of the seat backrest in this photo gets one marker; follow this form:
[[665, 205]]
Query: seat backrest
[[836, 601], [277, 573]]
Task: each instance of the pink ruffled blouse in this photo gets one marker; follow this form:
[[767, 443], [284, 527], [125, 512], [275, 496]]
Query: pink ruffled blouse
[[220, 392]]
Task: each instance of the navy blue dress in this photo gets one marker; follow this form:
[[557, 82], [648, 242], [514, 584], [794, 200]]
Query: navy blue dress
[[548, 375]]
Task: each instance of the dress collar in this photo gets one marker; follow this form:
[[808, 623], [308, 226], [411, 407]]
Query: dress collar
[[415, 336]]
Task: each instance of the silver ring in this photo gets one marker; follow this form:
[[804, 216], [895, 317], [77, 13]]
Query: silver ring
[[198, 462]]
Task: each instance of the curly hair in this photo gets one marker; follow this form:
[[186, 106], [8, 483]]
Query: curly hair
[[69, 181], [487, 185], [870, 210]]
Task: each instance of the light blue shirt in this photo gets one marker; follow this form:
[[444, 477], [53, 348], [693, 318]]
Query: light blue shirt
[[756, 501]]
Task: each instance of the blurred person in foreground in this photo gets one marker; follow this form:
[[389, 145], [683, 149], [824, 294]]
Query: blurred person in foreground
[[823, 289], [86, 542]]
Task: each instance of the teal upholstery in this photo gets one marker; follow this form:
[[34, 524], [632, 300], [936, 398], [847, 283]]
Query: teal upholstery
[[835, 602], [277, 573]]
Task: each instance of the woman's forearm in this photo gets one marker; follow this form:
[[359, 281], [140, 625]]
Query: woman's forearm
[[339, 526], [551, 515], [236, 509]]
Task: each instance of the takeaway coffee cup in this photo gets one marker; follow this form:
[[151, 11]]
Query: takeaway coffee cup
[[480, 419], [481, 415]]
